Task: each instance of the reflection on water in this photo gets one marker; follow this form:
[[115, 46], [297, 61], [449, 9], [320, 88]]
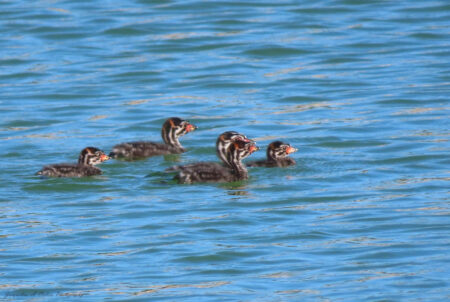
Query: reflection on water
[[237, 191], [363, 95]]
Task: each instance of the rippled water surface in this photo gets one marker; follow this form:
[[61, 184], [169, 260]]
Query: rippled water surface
[[360, 87]]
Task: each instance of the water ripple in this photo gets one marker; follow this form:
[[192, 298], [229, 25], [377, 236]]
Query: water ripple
[[363, 95]]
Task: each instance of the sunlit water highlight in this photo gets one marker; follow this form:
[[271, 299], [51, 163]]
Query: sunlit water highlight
[[360, 87]]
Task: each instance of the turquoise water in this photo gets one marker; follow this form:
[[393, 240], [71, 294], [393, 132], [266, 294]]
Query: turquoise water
[[360, 87]]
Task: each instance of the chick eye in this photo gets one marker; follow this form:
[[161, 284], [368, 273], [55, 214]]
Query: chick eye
[[240, 144]]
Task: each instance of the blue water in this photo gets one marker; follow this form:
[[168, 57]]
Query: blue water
[[361, 88]]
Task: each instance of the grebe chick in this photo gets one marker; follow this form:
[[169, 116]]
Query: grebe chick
[[172, 129], [277, 156], [89, 157], [231, 148]]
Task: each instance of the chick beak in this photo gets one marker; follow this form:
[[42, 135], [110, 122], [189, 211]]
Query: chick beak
[[190, 127], [253, 148], [290, 150], [104, 157]]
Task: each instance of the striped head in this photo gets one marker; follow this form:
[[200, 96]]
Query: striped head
[[173, 128], [239, 150], [277, 150], [225, 140], [236, 152], [92, 156]]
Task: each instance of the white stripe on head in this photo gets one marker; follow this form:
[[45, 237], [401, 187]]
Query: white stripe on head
[[225, 140]]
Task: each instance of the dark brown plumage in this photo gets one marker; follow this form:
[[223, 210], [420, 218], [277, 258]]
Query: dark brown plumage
[[89, 157], [231, 148], [172, 129], [277, 156]]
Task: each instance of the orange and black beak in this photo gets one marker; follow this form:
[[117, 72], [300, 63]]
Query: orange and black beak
[[290, 150], [190, 127], [104, 157], [253, 148]]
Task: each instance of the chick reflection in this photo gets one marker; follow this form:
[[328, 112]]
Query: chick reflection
[[238, 193], [236, 189]]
